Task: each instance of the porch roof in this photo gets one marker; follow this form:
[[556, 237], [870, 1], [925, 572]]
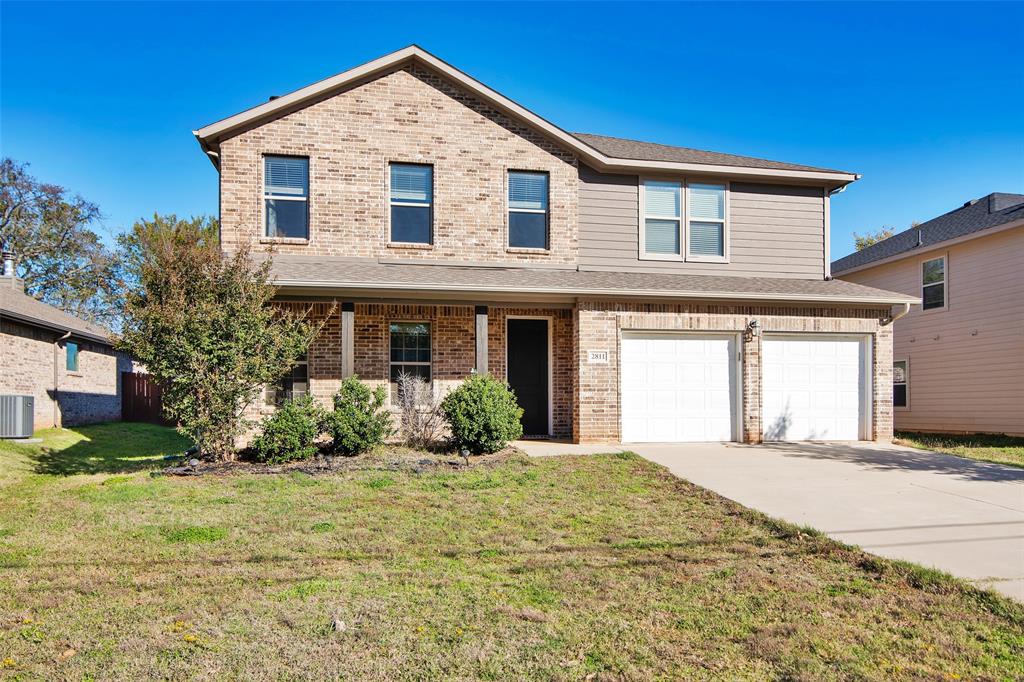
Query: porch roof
[[417, 279]]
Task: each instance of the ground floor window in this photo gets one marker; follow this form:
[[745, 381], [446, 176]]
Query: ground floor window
[[899, 383], [410, 352], [294, 384]]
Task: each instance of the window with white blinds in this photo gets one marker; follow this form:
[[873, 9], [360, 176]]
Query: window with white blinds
[[662, 218], [683, 221], [286, 196], [527, 210], [412, 200], [706, 225]]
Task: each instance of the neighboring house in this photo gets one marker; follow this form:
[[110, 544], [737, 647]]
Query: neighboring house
[[958, 357], [68, 365], [628, 291]]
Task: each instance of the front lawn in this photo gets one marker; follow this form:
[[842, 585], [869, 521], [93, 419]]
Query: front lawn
[[986, 447], [555, 568]]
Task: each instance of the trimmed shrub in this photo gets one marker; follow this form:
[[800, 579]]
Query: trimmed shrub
[[483, 414], [290, 433], [359, 421]]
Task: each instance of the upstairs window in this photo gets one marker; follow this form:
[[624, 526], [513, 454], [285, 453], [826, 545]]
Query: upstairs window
[[286, 196], [71, 356], [706, 225], [899, 383], [662, 219], [933, 283], [294, 384], [527, 210], [411, 199]]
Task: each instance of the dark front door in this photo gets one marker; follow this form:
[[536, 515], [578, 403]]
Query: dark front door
[[528, 372]]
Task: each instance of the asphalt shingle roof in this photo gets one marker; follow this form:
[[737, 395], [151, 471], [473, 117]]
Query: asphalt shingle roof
[[622, 148], [16, 304], [312, 271], [998, 208]]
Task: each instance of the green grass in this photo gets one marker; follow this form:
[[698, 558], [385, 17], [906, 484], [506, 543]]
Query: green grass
[[556, 568], [997, 448]]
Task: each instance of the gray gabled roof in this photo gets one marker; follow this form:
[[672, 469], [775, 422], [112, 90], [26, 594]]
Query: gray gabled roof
[[524, 284], [621, 148], [998, 208], [210, 136], [17, 305]]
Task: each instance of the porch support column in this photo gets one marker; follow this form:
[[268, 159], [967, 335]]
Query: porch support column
[[481, 339], [348, 339]]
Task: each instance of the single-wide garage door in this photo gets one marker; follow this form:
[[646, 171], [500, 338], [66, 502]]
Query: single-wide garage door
[[677, 387], [813, 388]]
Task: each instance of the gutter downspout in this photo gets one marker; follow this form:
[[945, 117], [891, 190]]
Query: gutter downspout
[[895, 314], [56, 392]]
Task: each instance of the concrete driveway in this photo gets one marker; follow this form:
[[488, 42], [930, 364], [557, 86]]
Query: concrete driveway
[[958, 515]]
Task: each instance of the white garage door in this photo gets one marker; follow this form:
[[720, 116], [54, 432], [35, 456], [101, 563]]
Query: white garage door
[[813, 388], [677, 388]]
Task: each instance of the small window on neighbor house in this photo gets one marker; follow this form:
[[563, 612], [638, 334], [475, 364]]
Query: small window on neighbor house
[[527, 210], [899, 383], [411, 199], [294, 384], [71, 356], [286, 196], [706, 225], [933, 283], [410, 352], [662, 224]]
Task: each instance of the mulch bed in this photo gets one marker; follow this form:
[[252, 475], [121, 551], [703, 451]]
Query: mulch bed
[[388, 458]]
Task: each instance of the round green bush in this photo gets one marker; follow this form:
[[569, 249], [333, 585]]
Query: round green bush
[[360, 421], [290, 433], [483, 414]]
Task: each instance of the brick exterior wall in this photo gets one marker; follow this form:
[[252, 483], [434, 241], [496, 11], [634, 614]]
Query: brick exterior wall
[[599, 324], [92, 394], [411, 115]]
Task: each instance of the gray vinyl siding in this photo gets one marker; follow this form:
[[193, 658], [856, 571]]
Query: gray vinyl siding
[[774, 230]]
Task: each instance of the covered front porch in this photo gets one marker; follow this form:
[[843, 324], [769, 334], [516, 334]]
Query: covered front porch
[[530, 346]]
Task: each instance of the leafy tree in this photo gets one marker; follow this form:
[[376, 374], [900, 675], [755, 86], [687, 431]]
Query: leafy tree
[[63, 261], [203, 325], [863, 241]]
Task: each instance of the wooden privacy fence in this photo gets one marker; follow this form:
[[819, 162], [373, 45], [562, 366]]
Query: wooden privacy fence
[[140, 399]]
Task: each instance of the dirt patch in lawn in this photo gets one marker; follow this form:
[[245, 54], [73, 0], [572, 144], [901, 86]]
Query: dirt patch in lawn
[[387, 458]]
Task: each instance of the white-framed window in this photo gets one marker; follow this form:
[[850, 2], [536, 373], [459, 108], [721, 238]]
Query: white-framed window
[[900, 383], [662, 226], [933, 283], [706, 217], [294, 384], [411, 203], [286, 196], [528, 209], [409, 350]]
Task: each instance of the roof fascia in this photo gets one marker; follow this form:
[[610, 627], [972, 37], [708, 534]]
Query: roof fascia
[[35, 322], [391, 287]]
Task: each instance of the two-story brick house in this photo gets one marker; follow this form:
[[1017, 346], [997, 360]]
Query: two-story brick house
[[626, 290]]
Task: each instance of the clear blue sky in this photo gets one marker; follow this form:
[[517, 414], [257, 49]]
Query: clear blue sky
[[925, 100]]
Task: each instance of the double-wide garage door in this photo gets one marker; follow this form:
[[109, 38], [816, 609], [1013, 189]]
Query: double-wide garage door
[[685, 387]]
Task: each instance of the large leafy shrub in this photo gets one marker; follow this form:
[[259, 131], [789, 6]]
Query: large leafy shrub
[[483, 414], [291, 432], [203, 324], [360, 421]]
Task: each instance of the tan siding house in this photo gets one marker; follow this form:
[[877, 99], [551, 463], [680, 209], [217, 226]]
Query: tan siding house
[[963, 357], [625, 290]]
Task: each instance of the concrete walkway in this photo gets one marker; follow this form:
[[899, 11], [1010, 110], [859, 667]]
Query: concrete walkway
[[958, 515]]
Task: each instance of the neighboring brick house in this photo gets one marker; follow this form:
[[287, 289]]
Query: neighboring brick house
[[68, 365], [626, 290], [958, 358]]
